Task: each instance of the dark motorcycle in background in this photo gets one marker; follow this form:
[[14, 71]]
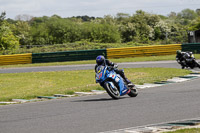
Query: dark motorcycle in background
[[189, 61]]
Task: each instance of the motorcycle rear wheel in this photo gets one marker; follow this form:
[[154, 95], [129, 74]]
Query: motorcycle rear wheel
[[114, 93]]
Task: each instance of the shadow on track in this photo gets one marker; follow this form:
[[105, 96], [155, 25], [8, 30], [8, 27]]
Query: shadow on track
[[98, 100]]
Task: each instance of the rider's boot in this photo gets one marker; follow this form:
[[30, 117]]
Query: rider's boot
[[182, 65], [129, 83]]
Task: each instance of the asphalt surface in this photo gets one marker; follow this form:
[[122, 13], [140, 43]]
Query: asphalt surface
[[167, 64], [99, 113]]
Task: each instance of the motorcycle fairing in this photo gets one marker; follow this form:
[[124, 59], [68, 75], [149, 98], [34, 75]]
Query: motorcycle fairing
[[123, 89], [102, 74]]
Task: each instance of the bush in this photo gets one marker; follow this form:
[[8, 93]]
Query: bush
[[7, 39]]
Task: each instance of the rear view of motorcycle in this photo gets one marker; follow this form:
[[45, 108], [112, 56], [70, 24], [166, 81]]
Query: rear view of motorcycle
[[113, 83]]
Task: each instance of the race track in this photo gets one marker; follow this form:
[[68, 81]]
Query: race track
[[168, 64], [99, 113]]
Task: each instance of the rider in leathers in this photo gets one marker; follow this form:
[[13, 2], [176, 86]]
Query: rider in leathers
[[100, 60], [181, 58]]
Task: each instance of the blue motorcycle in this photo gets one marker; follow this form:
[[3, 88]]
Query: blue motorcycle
[[113, 83]]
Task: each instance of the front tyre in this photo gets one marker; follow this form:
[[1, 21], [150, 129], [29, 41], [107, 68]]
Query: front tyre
[[113, 92], [133, 92]]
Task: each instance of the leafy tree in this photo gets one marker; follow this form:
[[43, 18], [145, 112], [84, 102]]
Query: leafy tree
[[101, 33], [22, 30], [108, 19], [85, 18], [128, 31], [161, 30], [39, 35], [195, 25], [141, 27], [186, 16], [198, 12], [11, 21], [144, 24], [63, 30], [2, 17], [24, 17], [38, 20], [7, 38], [122, 17]]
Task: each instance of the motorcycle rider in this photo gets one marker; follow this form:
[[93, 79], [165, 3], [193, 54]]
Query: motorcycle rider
[[100, 60], [183, 57], [180, 58]]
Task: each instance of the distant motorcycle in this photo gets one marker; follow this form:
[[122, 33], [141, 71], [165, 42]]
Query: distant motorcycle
[[113, 83], [189, 61]]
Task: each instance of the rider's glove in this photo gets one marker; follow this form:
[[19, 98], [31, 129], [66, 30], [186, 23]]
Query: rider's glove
[[115, 66]]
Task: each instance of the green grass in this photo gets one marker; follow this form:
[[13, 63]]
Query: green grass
[[31, 85], [192, 130]]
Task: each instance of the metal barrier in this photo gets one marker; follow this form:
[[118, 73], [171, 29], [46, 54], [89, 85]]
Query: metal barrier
[[109, 53], [15, 59], [193, 47], [67, 56], [143, 51]]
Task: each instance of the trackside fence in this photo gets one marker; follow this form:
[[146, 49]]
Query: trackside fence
[[67, 56], [143, 51], [109, 53], [15, 59], [193, 47]]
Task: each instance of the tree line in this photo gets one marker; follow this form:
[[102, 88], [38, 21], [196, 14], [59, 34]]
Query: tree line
[[141, 27]]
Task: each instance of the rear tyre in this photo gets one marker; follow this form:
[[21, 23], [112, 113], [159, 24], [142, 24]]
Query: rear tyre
[[197, 64], [113, 92], [133, 92]]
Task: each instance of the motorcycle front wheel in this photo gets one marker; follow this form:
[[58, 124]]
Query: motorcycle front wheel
[[133, 92], [113, 92]]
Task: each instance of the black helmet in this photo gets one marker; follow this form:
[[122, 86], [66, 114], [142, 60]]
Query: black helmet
[[100, 60]]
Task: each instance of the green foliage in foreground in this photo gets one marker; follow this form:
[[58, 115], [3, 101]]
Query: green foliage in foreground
[[31, 85], [192, 130]]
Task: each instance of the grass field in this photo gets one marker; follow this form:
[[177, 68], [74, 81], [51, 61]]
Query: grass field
[[33, 84], [192, 130]]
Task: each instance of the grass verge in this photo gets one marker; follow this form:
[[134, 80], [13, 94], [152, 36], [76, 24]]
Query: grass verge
[[33, 84], [191, 130]]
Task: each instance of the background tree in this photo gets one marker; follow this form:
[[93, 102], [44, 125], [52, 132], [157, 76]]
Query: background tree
[[198, 12], [22, 31], [7, 38], [195, 25], [2, 17], [24, 17], [141, 27], [186, 16]]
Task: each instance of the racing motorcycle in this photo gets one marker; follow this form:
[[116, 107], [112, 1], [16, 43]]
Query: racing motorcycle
[[189, 61], [113, 83]]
